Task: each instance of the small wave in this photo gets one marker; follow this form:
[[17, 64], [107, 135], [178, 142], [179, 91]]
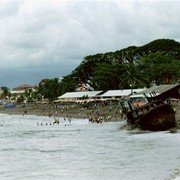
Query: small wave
[[175, 175], [48, 151], [32, 150], [132, 130], [7, 149]]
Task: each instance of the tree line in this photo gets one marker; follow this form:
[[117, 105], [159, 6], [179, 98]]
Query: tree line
[[155, 63]]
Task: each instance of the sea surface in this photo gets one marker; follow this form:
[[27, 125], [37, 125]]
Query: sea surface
[[83, 151]]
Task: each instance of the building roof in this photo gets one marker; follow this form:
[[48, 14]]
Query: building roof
[[79, 94], [159, 89], [23, 87], [119, 93]]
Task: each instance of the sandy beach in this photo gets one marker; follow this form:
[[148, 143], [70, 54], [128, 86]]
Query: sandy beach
[[108, 112]]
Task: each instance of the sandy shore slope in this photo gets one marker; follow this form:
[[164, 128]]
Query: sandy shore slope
[[108, 112]]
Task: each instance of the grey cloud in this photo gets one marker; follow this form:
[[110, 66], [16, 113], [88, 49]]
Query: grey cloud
[[9, 8], [41, 34]]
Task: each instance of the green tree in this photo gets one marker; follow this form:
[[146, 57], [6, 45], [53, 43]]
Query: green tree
[[159, 68], [36, 95], [107, 76], [132, 78], [88, 70], [49, 89], [5, 92], [20, 99], [69, 83]]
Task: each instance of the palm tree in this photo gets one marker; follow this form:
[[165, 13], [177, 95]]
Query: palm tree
[[131, 78]]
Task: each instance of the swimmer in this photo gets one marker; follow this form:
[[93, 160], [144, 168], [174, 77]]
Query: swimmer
[[56, 121]]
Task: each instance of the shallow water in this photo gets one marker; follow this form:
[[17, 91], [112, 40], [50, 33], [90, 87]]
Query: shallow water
[[82, 150]]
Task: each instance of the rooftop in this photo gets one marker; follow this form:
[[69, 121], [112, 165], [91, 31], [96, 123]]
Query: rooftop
[[80, 94], [159, 89], [119, 93], [23, 87]]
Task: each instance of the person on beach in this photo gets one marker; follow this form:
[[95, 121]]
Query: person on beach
[[110, 109], [25, 112], [56, 121], [121, 113], [50, 114], [69, 119]]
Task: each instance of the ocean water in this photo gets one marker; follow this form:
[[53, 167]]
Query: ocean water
[[84, 151]]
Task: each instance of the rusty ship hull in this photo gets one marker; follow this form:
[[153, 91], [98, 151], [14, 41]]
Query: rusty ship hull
[[157, 118]]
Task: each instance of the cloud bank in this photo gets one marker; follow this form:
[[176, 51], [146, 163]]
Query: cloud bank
[[46, 39]]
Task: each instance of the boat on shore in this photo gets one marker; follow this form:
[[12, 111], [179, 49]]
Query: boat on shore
[[9, 106], [153, 114]]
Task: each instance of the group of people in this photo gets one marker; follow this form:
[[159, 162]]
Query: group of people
[[96, 119], [56, 121], [100, 119]]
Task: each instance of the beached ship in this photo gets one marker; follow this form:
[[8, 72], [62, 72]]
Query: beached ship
[[149, 113]]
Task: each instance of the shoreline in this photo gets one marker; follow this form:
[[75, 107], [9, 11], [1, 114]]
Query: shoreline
[[108, 112]]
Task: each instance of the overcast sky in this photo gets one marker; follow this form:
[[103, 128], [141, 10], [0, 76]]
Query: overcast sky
[[49, 38]]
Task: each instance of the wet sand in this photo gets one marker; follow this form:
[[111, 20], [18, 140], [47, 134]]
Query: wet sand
[[109, 113]]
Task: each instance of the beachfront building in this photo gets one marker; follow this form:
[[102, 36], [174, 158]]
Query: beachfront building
[[96, 95], [161, 91], [84, 87], [117, 94], [79, 96], [23, 87], [21, 90]]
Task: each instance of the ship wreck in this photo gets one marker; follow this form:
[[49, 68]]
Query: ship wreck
[[153, 110]]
